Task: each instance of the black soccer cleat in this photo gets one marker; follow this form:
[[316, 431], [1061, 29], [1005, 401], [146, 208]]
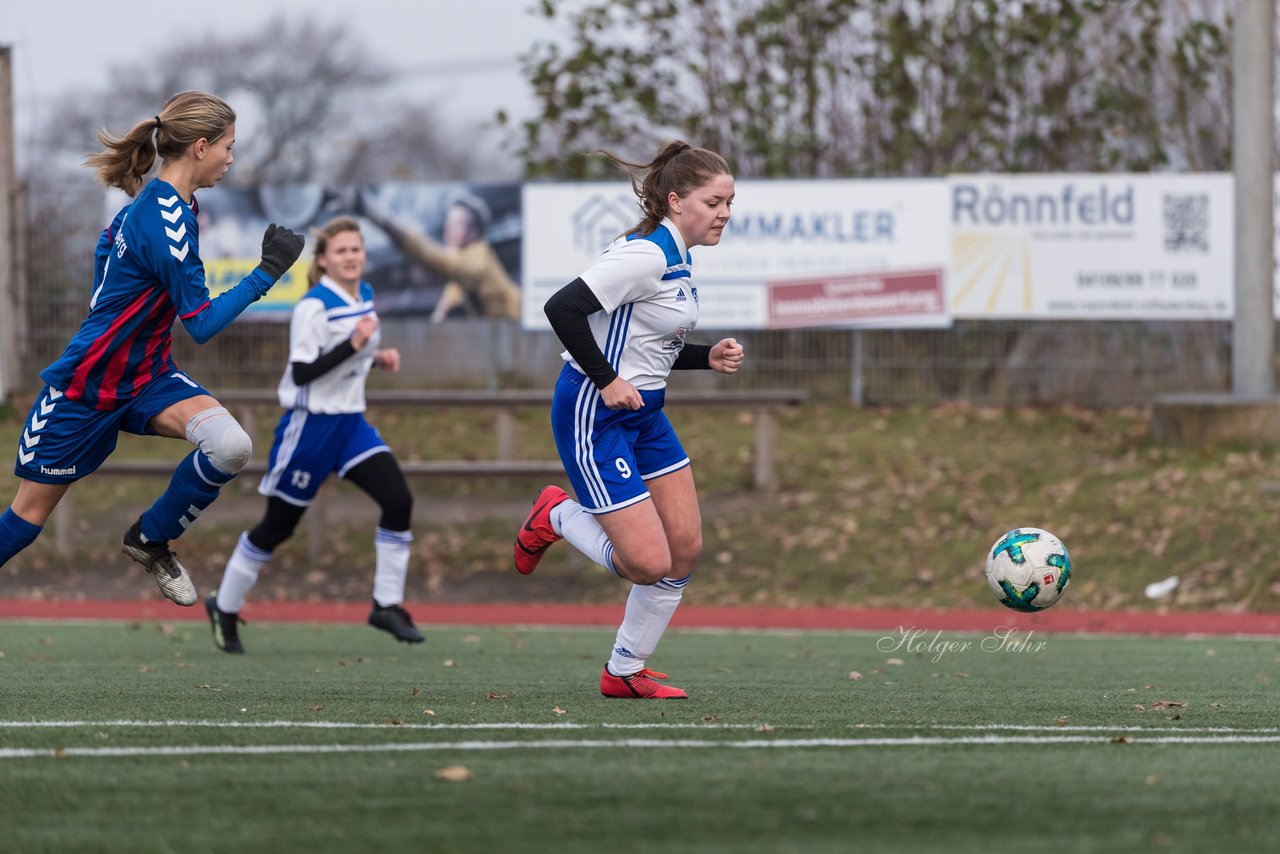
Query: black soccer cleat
[[396, 621], [162, 563], [226, 633]]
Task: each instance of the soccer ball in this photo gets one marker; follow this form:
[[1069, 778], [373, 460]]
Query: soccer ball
[[1028, 569]]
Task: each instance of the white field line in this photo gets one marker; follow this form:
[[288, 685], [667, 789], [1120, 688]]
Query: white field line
[[615, 744], [1067, 728]]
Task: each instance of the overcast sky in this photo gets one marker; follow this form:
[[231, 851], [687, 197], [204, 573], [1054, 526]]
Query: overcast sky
[[470, 45]]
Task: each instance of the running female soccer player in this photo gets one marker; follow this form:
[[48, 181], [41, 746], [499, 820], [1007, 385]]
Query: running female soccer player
[[333, 343], [623, 323], [118, 373]]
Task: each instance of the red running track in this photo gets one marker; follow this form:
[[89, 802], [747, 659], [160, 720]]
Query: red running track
[[688, 617]]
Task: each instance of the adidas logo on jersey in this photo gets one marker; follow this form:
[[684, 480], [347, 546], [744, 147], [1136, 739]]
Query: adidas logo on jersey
[[680, 297]]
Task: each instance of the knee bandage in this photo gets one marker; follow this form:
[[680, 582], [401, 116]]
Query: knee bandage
[[221, 438]]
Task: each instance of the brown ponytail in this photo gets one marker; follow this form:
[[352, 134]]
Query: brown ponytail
[[677, 167], [185, 118]]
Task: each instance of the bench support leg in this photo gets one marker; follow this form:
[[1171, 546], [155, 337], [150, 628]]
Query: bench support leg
[[317, 524], [63, 520], [506, 429], [764, 469]]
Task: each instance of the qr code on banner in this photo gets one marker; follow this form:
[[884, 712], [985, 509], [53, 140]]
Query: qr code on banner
[[1186, 223]]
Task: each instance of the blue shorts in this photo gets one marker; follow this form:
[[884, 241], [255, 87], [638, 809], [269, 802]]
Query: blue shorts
[[610, 453], [63, 440], [310, 446]]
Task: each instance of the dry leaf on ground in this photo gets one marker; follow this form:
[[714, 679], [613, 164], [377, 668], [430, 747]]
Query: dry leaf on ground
[[1168, 704], [453, 773]]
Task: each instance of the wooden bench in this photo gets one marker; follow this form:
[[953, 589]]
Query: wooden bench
[[246, 402]]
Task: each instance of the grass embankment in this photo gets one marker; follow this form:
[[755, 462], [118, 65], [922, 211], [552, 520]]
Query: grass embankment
[[874, 507]]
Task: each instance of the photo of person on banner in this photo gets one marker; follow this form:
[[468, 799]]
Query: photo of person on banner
[[476, 282], [229, 217]]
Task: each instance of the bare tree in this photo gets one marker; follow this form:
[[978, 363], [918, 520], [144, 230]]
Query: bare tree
[[409, 145], [294, 95], [310, 98]]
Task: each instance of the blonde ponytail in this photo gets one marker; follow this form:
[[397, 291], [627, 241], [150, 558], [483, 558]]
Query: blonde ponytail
[[185, 118]]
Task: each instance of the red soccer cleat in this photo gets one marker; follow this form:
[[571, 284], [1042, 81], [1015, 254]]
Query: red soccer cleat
[[638, 686], [536, 534]]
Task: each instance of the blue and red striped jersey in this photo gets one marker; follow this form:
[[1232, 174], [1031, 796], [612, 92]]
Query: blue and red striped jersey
[[147, 271]]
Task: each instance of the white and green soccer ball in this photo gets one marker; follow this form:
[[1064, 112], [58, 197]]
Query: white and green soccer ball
[[1028, 569]]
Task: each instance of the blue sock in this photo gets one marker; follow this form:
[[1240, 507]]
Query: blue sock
[[16, 534], [194, 485]]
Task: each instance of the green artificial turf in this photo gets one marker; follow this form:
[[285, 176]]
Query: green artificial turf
[[789, 742]]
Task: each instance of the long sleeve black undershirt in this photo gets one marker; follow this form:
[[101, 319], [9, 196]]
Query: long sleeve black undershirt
[[568, 310], [693, 357], [305, 372]]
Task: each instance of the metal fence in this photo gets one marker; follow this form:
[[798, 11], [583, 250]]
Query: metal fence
[[987, 362]]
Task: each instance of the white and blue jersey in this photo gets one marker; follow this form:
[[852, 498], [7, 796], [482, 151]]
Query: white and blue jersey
[[147, 272], [645, 286], [324, 318], [323, 429]]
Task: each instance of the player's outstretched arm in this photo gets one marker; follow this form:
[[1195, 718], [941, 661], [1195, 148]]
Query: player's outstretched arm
[[280, 249]]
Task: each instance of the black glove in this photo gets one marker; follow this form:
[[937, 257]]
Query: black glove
[[280, 248]]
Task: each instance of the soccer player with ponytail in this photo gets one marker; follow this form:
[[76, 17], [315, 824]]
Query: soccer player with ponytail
[[334, 342], [623, 324], [117, 373]]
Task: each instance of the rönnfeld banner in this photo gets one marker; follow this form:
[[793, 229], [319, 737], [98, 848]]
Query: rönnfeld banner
[[1091, 247]]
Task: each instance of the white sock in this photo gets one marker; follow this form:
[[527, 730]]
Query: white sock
[[583, 532], [247, 560], [391, 567], [649, 609]]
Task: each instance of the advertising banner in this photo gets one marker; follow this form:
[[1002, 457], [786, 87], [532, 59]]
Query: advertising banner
[[443, 250], [1092, 247], [795, 253], [895, 299]]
